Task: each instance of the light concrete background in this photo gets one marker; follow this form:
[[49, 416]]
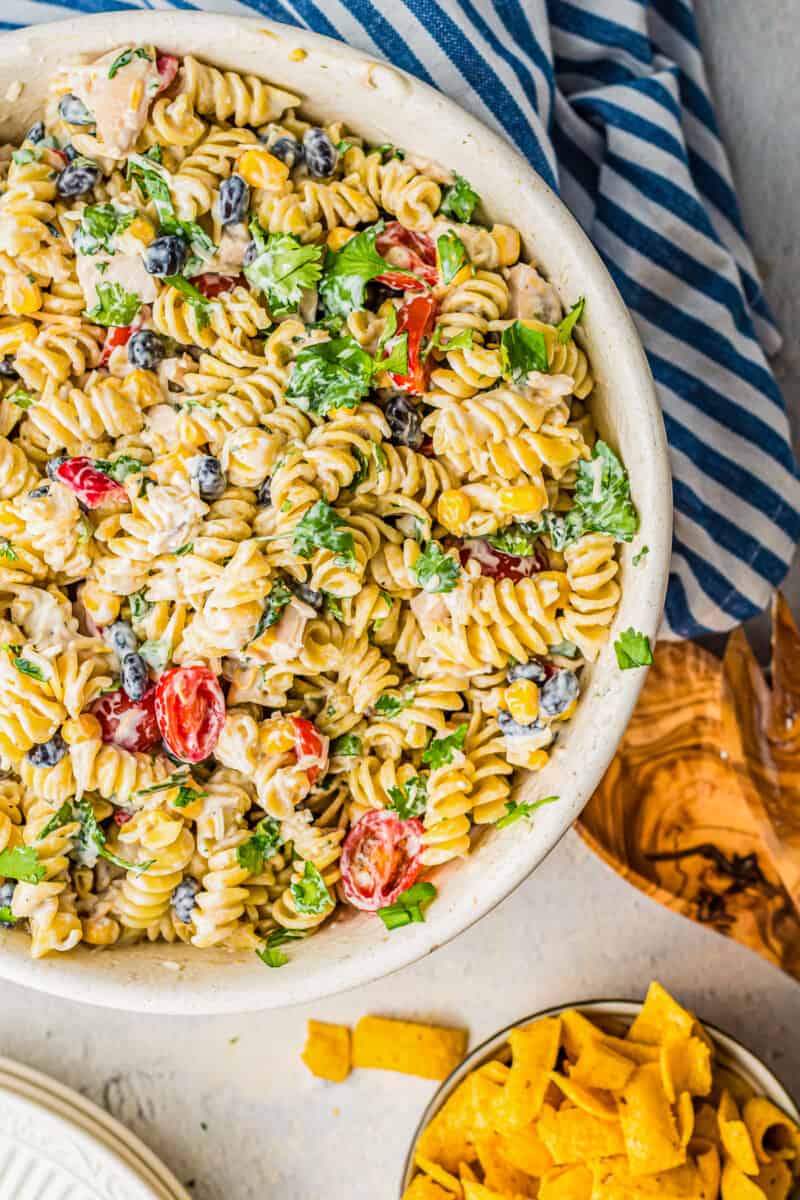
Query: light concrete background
[[227, 1102]]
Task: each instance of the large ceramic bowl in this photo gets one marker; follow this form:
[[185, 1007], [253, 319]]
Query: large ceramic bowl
[[614, 1016], [385, 105]]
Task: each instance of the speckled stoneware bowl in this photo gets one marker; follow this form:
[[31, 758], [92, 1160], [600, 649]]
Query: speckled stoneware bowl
[[614, 1016], [385, 105]]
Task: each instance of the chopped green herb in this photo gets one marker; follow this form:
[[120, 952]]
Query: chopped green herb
[[7, 551], [62, 817], [333, 374], [283, 269], [348, 271], [396, 361], [26, 155], [452, 255], [277, 599], [460, 200], [270, 954], [156, 652], [566, 326], [139, 606], [442, 750], [100, 223], [187, 796], [564, 649], [516, 539], [310, 893], [21, 863], [92, 835], [114, 305], [342, 147], [641, 556], [6, 915], [323, 529], [390, 706], [602, 498], [21, 398], [522, 350], [33, 670], [409, 799], [186, 548], [333, 605], [461, 341], [525, 808], [166, 785], [387, 150], [434, 570], [409, 907], [127, 56], [120, 468], [260, 846], [201, 306], [346, 746], [633, 650]]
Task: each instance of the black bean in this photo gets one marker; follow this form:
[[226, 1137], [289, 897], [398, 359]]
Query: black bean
[[78, 178], [145, 349], [121, 638], [288, 150], [134, 677], [35, 133], [251, 253], [531, 670], [404, 422], [72, 110], [47, 754], [309, 595], [320, 153], [264, 493], [37, 493], [167, 255], [511, 728], [210, 478], [184, 899], [558, 693], [7, 368], [234, 200], [53, 465]]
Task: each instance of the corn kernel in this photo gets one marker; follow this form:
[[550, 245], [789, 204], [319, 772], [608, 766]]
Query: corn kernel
[[136, 93], [298, 54], [526, 499], [21, 296], [339, 236], [261, 169], [141, 229], [536, 760], [103, 607], [568, 711], [508, 245], [453, 509], [522, 698], [279, 738]]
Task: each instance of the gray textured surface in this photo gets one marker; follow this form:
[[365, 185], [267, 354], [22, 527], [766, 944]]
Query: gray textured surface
[[227, 1101]]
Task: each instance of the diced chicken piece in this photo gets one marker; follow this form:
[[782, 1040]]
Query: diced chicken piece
[[284, 640], [429, 609], [125, 269], [119, 103], [531, 296]]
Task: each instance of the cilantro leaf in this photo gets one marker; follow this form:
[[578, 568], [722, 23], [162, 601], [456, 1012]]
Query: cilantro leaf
[[460, 200], [633, 650], [409, 799], [114, 305], [99, 224], [602, 498], [21, 863], [7, 551], [6, 915], [434, 570], [525, 808], [641, 556], [261, 845], [139, 606], [323, 529], [461, 341], [566, 326], [91, 834], [276, 600], [442, 750], [310, 893], [452, 255], [348, 271], [127, 56], [522, 350], [120, 468], [333, 605], [196, 298], [389, 706], [283, 269], [409, 907], [269, 953], [518, 540], [166, 785], [21, 398], [33, 670], [348, 745], [333, 374], [187, 796], [62, 817]]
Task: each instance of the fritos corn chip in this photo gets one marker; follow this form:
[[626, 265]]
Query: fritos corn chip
[[429, 1051], [327, 1051], [572, 1110]]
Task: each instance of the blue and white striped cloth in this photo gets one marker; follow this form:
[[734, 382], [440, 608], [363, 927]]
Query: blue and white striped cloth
[[609, 100]]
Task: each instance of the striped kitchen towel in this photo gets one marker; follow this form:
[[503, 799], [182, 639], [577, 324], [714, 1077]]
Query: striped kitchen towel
[[608, 99]]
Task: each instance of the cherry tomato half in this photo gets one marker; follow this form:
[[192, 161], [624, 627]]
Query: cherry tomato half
[[167, 67], [381, 857], [499, 565], [190, 710], [128, 723], [118, 335], [413, 252], [415, 318], [310, 747], [91, 485], [212, 284]]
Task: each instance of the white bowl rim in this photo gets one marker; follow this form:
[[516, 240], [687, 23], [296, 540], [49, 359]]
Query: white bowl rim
[[185, 986], [733, 1050]]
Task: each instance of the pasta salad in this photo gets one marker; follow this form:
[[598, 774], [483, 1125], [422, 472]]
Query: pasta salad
[[305, 533]]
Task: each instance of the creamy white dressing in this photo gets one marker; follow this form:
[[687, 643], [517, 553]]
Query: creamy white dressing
[[177, 514]]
